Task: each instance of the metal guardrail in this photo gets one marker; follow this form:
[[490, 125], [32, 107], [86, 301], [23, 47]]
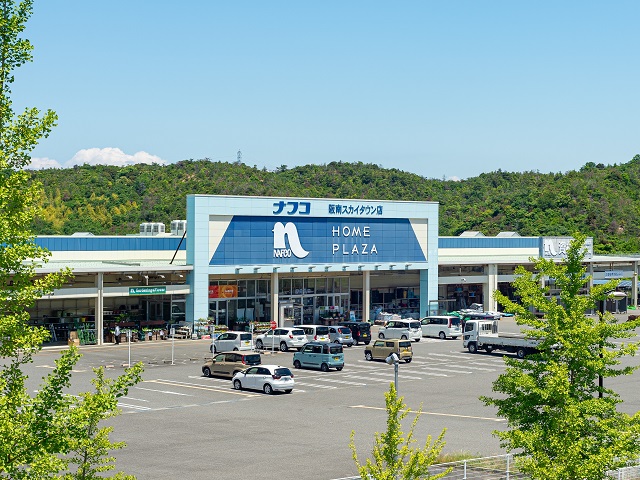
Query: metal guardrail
[[502, 467]]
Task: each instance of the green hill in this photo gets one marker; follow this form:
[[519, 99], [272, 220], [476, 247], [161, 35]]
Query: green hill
[[600, 201]]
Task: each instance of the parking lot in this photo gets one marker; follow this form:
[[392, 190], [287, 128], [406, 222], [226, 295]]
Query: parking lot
[[179, 423]]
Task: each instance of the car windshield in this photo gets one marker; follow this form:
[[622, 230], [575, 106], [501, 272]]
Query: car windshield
[[335, 349], [252, 359], [322, 330], [297, 331], [283, 372], [245, 336]]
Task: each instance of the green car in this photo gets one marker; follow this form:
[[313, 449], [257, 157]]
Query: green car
[[319, 355]]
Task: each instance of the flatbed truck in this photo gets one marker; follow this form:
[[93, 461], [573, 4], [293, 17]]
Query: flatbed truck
[[483, 335]]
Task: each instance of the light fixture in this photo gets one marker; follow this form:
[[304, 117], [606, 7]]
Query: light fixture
[[326, 268], [238, 270], [391, 265], [180, 275], [311, 268], [129, 277], [406, 267], [376, 267], [344, 268], [292, 269], [161, 276], [256, 269], [275, 269]]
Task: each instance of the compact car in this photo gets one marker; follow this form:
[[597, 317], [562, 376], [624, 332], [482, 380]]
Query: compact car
[[268, 378]]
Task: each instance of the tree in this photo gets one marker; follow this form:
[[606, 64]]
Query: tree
[[35, 433], [561, 423], [394, 456]]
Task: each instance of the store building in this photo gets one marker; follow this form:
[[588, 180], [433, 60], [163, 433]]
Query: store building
[[237, 260]]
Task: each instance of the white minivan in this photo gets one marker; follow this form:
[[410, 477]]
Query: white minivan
[[406, 329], [316, 333], [442, 326]]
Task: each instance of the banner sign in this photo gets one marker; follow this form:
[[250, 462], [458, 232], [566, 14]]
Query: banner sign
[[147, 290], [223, 291]]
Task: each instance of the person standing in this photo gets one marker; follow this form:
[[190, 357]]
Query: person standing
[[117, 334]]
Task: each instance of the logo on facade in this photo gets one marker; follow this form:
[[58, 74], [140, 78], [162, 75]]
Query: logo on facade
[[282, 233]]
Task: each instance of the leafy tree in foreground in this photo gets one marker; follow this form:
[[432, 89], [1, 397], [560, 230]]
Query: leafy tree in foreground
[[37, 433], [394, 456], [561, 424]]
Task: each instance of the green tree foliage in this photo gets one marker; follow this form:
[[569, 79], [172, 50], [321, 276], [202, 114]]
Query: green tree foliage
[[396, 457], [603, 202], [45, 435], [561, 424]]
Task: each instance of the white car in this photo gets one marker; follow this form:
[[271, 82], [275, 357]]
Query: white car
[[402, 329], [442, 326], [231, 341], [268, 378], [282, 338]]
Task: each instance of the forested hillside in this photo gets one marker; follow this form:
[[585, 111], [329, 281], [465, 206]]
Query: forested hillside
[[600, 201]]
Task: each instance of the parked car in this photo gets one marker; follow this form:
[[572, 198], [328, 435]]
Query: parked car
[[316, 333], [442, 326], [319, 355], [403, 329], [228, 341], [381, 349], [227, 364], [360, 331], [283, 338], [340, 334], [268, 378]]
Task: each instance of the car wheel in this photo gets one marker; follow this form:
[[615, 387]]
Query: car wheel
[[235, 372], [368, 356], [338, 368], [403, 337], [521, 353], [473, 348], [296, 363], [417, 340], [336, 341], [237, 385], [454, 338], [206, 371], [235, 349], [289, 390], [408, 360], [211, 348], [268, 389], [259, 344], [283, 346], [381, 335], [442, 335], [324, 367]]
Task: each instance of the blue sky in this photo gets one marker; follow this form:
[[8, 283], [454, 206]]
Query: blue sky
[[443, 89]]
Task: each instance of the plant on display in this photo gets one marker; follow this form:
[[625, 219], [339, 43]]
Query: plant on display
[[561, 423], [394, 456], [37, 433]]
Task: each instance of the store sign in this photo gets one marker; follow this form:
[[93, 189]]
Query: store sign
[[147, 290], [556, 247], [223, 291], [613, 274], [256, 240]]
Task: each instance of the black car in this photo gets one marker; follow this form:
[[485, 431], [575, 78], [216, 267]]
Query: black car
[[361, 331]]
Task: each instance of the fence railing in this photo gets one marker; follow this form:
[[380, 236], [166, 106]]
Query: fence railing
[[502, 467]]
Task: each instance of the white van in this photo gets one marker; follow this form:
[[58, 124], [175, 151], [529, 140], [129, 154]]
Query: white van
[[315, 333], [406, 329], [228, 341], [442, 326]]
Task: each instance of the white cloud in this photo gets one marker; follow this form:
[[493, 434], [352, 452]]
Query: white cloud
[[454, 179], [97, 156], [111, 156], [42, 163]]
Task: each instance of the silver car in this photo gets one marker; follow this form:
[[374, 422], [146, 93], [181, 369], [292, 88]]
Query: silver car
[[341, 335], [282, 338], [268, 378]]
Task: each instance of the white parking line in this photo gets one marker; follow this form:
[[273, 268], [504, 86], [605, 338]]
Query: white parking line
[[164, 391], [437, 414], [134, 407], [316, 385]]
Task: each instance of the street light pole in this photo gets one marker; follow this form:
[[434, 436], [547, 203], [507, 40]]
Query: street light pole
[[394, 360]]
